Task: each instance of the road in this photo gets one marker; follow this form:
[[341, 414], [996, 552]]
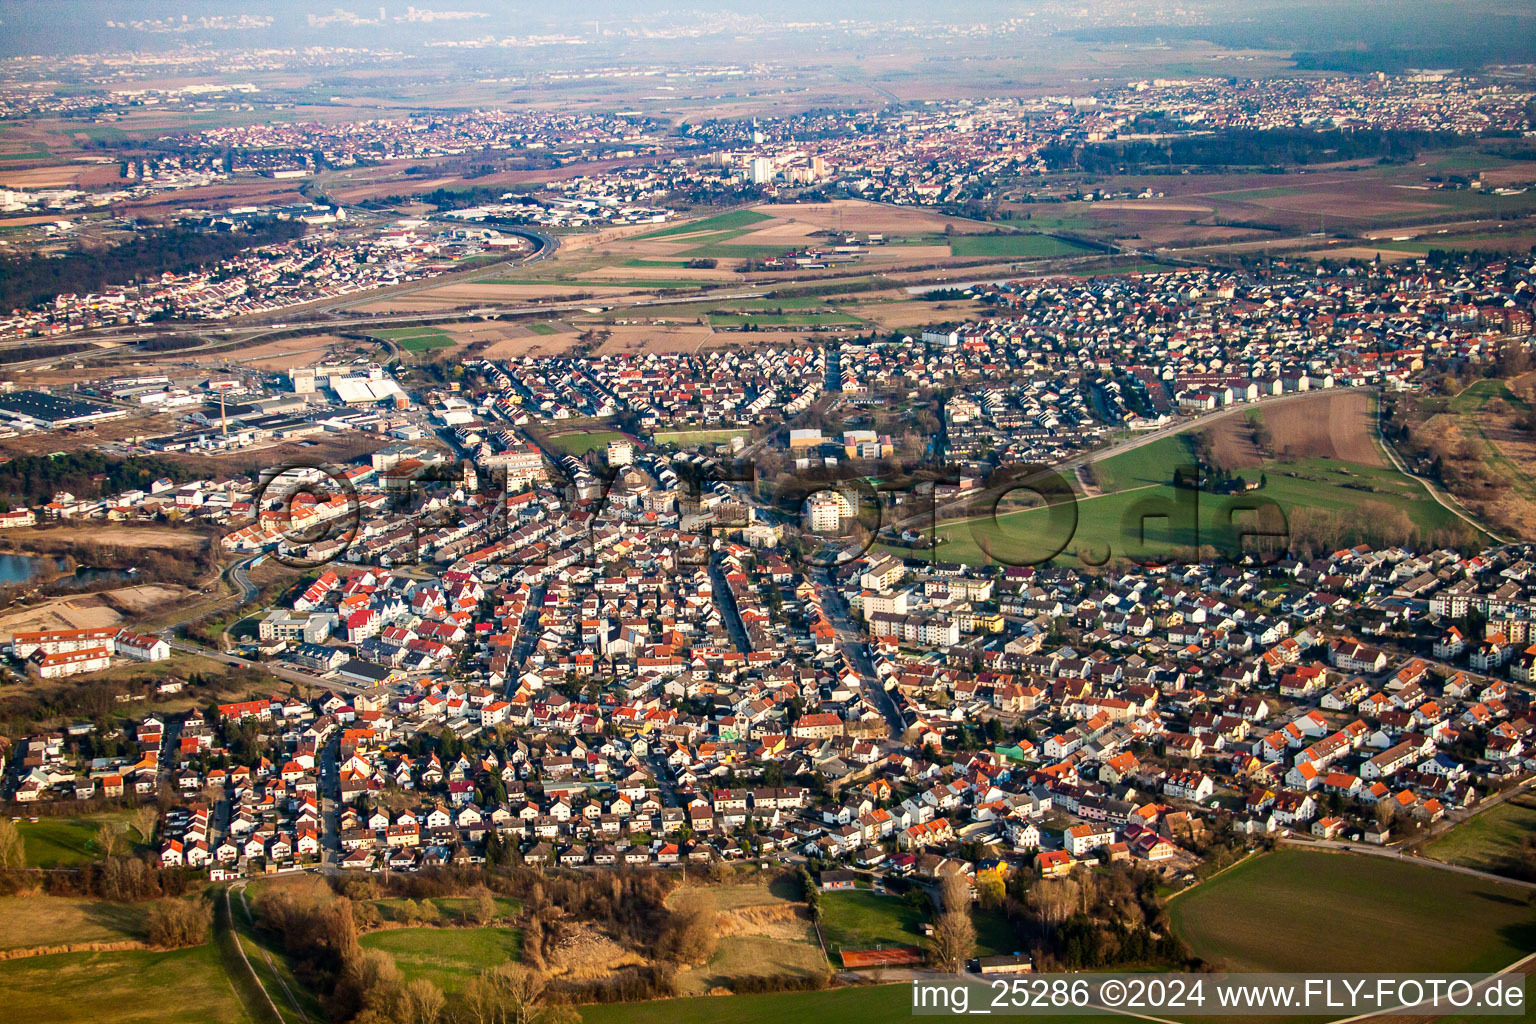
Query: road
[[288, 993], [215, 337], [1445, 501], [852, 643], [1392, 853], [270, 668]]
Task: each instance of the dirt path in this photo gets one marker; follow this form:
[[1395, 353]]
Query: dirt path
[[1445, 501]]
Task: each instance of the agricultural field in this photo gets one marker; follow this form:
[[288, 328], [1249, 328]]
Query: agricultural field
[[879, 1004], [720, 222], [31, 921], [1490, 841], [448, 957], [1330, 911], [186, 986], [807, 319], [864, 919], [1012, 247]]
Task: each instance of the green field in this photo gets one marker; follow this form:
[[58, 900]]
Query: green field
[[627, 282], [448, 957], [995, 934], [1468, 409], [187, 986], [1152, 463], [1141, 515], [864, 919], [32, 921], [418, 339], [689, 438], [541, 329], [450, 908], [1012, 247], [785, 320], [880, 1004], [719, 222], [579, 442], [1300, 910], [1492, 840], [55, 842]]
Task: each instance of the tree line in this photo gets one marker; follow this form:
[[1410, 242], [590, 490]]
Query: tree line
[[31, 279], [1278, 147]]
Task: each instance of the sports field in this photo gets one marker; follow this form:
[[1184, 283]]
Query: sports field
[[579, 442], [864, 919], [689, 438], [1301, 910]]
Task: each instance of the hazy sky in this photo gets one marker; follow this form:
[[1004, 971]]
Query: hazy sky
[[77, 26]]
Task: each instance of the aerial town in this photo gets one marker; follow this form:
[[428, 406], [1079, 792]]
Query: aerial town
[[598, 520]]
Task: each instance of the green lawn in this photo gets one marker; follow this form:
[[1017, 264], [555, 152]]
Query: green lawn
[[541, 328], [426, 342], [448, 957], [1031, 536], [859, 1005], [995, 934], [417, 339], [719, 222], [55, 842], [864, 919], [451, 908], [1141, 515], [1300, 910], [187, 986], [579, 442], [1152, 463], [689, 438], [1491, 840], [1012, 247]]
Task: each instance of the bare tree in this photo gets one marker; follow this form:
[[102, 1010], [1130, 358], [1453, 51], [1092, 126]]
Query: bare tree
[[954, 934], [1053, 900], [174, 924], [421, 1003], [12, 853], [143, 820], [107, 839], [510, 994]]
